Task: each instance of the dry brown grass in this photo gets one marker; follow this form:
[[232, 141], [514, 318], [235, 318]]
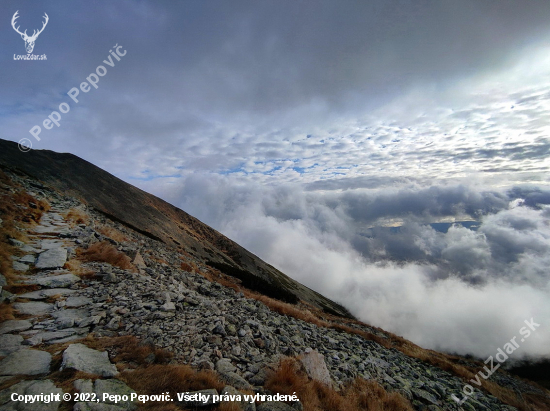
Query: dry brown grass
[[75, 266], [6, 268], [290, 378], [18, 210], [127, 349], [112, 233], [16, 288], [6, 312], [158, 379], [189, 267], [77, 216], [19, 206], [107, 253]]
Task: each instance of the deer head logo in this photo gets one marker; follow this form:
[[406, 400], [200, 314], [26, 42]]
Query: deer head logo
[[29, 40]]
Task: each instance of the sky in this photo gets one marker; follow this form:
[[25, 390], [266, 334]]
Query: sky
[[326, 137]]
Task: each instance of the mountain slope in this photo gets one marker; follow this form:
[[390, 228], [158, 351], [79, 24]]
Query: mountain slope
[[160, 220]]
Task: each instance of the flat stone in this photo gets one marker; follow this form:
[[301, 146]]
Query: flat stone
[[235, 380], [52, 258], [26, 362], [17, 266], [43, 294], [54, 281], [29, 249], [49, 244], [78, 301], [82, 358], [10, 343], [3, 281], [316, 368], [41, 387], [75, 314], [33, 308], [66, 339], [424, 395], [50, 229], [29, 259], [33, 341], [19, 388], [14, 325], [54, 335]]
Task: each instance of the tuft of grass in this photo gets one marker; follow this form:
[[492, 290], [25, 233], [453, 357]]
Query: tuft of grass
[[6, 268], [21, 288], [6, 312], [112, 233], [190, 268], [158, 379], [107, 253], [77, 216], [75, 266]]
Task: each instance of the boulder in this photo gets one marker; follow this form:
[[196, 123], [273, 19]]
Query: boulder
[[54, 281], [138, 261], [43, 294], [26, 362], [235, 380], [224, 365], [77, 301], [315, 366], [82, 358]]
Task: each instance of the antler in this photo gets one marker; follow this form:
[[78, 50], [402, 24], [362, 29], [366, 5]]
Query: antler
[[34, 34], [15, 17]]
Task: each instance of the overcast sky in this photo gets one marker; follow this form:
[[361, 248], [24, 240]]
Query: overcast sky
[[303, 129]]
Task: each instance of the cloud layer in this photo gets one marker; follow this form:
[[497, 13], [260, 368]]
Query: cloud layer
[[463, 290]]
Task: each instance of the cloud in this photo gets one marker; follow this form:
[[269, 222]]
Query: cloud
[[463, 290]]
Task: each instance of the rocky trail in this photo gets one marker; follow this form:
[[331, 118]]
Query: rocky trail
[[202, 323]]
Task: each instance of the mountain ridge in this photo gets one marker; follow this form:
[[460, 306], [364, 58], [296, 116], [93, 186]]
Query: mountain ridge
[[160, 220]]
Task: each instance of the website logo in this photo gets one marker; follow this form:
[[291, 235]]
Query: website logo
[[29, 40]]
